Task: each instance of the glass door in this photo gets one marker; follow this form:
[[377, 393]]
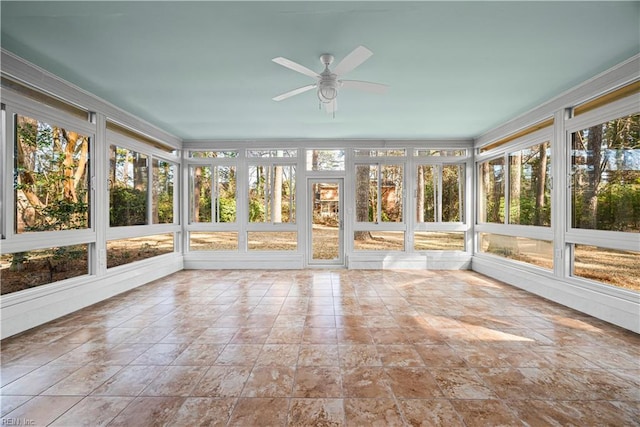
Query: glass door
[[326, 233]]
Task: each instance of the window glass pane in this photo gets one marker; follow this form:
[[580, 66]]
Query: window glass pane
[[272, 193], [24, 270], [272, 153], [124, 251], [224, 182], [427, 193], [212, 154], [199, 194], [532, 251], [128, 177], [272, 240], [613, 267], [366, 193], [213, 241], [438, 241], [391, 193], [453, 193], [325, 160], [379, 193], [439, 153], [605, 186], [492, 198], [530, 186], [378, 241], [163, 174], [51, 177]]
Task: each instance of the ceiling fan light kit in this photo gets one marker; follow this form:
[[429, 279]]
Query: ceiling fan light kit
[[328, 82]]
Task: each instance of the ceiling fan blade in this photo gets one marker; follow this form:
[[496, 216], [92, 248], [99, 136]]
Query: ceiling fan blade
[[352, 60], [331, 107], [294, 92], [295, 67], [366, 86]]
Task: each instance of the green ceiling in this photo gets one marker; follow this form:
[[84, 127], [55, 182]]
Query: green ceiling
[[203, 70]]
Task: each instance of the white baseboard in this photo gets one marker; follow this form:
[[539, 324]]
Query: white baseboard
[[620, 311], [214, 261], [401, 261], [32, 307]]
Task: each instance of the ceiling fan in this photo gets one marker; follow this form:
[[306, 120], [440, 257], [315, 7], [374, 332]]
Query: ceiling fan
[[329, 82]]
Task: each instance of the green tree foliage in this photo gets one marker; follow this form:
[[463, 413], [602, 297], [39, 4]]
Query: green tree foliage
[[127, 206], [128, 199]]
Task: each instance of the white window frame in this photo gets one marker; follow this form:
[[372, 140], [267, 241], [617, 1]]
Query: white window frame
[[514, 230], [13, 242], [213, 162], [124, 232], [439, 226], [619, 240]]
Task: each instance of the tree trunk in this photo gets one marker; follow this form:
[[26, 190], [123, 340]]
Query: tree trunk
[[139, 172], [420, 194], [486, 187], [69, 191], [497, 193], [362, 199], [125, 169], [112, 166], [541, 184], [590, 208], [515, 184], [155, 184]]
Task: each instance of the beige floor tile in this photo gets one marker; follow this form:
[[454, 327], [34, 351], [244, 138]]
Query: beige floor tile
[[269, 381], [318, 355], [372, 412], [40, 411], [222, 381], [316, 412], [315, 382], [259, 411], [204, 411], [430, 413], [320, 347], [93, 411], [148, 411]]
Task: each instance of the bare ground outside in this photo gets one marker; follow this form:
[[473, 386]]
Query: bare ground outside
[[616, 268]]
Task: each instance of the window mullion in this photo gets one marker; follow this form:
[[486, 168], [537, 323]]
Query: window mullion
[[149, 190], [215, 203], [379, 194], [461, 192], [506, 172], [439, 178]]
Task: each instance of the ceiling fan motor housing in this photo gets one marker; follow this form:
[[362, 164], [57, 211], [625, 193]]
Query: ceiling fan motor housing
[[328, 82]]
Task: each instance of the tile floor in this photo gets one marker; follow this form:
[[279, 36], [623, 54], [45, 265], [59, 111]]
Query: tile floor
[[323, 348]]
